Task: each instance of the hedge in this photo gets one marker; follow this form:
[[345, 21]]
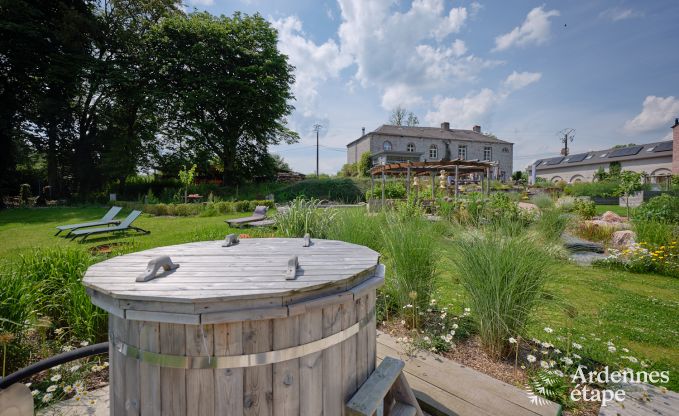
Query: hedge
[[187, 210]]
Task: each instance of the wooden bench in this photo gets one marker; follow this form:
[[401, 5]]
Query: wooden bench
[[444, 387]]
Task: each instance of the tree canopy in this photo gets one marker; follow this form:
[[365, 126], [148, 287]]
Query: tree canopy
[[94, 92]]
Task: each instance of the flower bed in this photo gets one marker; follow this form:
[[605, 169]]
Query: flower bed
[[645, 258]]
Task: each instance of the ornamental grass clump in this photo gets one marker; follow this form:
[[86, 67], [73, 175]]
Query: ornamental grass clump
[[503, 277], [411, 260], [305, 216]]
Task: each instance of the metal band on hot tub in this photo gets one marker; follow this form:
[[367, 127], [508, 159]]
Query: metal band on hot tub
[[239, 361]]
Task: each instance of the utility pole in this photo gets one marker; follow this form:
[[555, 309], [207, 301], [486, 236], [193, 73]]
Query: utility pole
[[317, 128], [565, 136]]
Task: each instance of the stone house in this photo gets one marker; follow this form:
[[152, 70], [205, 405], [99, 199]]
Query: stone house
[[388, 144], [659, 160]]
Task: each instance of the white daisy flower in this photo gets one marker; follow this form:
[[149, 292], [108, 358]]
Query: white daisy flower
[[52, 388], [55, 378], [531, 358]]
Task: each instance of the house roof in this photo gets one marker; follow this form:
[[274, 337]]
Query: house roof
[[637, 152], [430, 133]]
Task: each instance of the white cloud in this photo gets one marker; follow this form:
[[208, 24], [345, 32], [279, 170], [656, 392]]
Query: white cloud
[[656, 113], [534, 30], [313, 63], [475, 107], [202, 2], [391, 47], [615, 14], [517, 80], [400, 95]]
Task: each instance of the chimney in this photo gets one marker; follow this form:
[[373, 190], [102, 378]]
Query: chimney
[[675, 147], [477, 129], [362, 131], [445, 126]]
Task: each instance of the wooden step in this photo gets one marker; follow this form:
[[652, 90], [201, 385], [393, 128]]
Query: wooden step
[[400, 409], [444, 387]]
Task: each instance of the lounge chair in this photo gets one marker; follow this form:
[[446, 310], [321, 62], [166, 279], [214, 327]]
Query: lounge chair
[[258, 215], [123, 226], [107, 219]]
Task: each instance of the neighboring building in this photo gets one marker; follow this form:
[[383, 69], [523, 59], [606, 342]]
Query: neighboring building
[[390, 144], [659, 160]]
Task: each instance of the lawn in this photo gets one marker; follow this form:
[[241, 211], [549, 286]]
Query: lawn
[[635, 311], [600, 209], [26, 229]]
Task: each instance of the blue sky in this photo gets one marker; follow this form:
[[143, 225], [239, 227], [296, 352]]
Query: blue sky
[[523, 70]]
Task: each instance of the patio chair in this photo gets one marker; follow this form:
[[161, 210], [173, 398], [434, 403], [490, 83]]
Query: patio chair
[[107, 219], [123, 226], [258, 215]]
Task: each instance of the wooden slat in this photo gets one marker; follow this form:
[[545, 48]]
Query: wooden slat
[[149, 375], [258, 381], [401, 409], [244, 315], [173, 380], [117, 366], [311, 366], [371, 330], [349, 387], [228, 340], [131, 383], [332, 361], [361, 343], [286, 385], [200, 394]]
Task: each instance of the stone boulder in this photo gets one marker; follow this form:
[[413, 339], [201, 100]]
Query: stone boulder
[[527, 206], [623, 238], [611, 225], [610, 216]]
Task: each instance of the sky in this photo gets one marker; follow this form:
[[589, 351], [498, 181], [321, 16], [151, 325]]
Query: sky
[[522, 70]]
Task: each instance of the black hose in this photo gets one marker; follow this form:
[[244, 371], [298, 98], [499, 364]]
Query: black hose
[[54, 361]]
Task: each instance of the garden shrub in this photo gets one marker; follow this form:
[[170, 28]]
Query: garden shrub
[[551, 224], [585, 208], [594, 232], [392, 190], [663, 208], [304, 216], [503, 278], [343, 190], [565, 203], [606, 188]]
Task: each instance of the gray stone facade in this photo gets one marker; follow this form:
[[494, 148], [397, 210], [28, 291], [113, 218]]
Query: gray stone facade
[[389, 144]]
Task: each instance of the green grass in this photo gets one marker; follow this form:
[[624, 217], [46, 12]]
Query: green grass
[[637, 311], [600, 209]]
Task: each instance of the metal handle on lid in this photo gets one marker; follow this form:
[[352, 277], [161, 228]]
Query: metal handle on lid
[[230, 240], [307, 240], [293, 265], [154, 265]]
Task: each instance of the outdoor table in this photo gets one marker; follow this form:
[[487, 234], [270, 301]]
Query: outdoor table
[[257, 326]]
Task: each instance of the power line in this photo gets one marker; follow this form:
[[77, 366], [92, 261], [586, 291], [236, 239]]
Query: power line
[[566, 135]]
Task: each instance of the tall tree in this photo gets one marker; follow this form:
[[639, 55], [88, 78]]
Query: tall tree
[[226, 86], [402, 117]]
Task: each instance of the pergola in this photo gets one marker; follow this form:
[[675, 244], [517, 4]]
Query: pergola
[[455, 167]]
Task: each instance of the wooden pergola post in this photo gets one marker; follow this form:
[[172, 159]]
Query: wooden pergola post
[[372, 184], [488, 181], [408, 183], [384, 185], [457, 179], [433, 185]]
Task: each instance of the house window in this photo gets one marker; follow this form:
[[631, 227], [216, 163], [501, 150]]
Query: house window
[[386, 145], [410, 147], [487, 153], [433, 152], [505, 150], [462, 152]]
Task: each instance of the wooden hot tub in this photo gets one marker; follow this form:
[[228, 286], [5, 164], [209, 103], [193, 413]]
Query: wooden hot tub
[[239, 330]]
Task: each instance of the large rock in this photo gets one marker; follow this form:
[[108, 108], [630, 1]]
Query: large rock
[[610, 216], [527, 206], [623, 238], [606, 224]]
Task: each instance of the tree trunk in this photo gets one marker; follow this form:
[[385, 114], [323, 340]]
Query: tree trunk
[[52, 159]]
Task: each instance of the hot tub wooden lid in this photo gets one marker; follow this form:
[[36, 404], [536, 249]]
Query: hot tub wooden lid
[[250, 274]]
